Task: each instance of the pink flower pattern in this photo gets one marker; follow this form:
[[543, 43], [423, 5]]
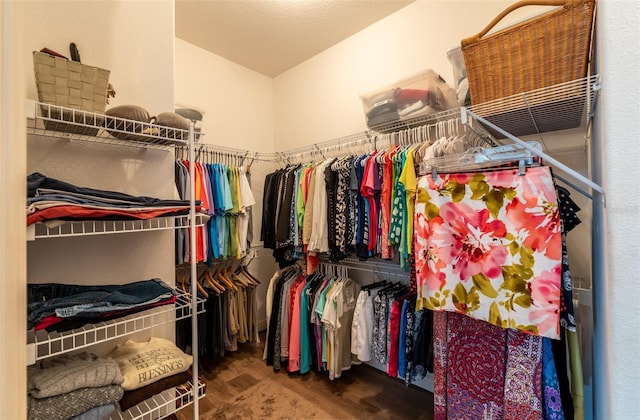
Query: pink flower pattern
[[508, 265], [545, 297], [474, 243]]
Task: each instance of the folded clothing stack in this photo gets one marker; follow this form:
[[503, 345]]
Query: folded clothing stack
[[61, 307], [149, 368], [73, 386], [51, 199]]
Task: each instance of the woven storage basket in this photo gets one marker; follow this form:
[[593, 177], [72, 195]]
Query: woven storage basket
[[70, 84], [542, 51]]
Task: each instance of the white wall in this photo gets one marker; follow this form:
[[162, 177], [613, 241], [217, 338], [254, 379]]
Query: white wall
[[319, 99], [238, 105], [132, 39], [617, 167], [238, 101]]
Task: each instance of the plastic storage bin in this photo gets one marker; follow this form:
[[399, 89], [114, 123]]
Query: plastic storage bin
[[422, 94], [460, 81]]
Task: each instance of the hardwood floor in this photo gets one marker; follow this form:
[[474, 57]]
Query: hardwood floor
[[363, 392]]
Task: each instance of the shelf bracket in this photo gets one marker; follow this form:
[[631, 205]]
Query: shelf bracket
[[466, 114]]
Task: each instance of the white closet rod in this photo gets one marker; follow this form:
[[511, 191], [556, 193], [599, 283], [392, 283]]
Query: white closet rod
[[406, 134], [219, 153], [465, 114], [329, 147], [323, 148]]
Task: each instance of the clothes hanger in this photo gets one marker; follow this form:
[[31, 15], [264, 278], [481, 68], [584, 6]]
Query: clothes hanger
[[183, 287], [374, 285], [233, 276], [199, 286], [248, 275], [212, 282], [222, 276], [391, 287], [404, 295]]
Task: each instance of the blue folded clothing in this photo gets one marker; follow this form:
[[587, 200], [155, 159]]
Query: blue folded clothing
[[44, 299]]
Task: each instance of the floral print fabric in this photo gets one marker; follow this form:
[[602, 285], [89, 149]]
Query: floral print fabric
[[488, 245]]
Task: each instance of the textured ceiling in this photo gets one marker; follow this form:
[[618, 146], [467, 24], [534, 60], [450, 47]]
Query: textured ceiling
[[270, 36]]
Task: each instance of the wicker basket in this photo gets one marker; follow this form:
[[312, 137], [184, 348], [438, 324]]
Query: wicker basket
[[542, 51], [70, 84]]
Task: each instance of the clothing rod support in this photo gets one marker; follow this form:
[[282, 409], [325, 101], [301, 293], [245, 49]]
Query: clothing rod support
[[537, 152], [194, 271]]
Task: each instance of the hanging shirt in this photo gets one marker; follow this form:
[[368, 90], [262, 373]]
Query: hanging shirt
[[308, 209], [322, 300], [354, 210], [315, 315], [206, 182], [399, 202], [367, 189], [181, 176], [408, 181], [216, 225], [319, 239], [342, 208], [223, 226], [362, 236], [202, 195], [294, 234], [295, 334], [200, 256], [269, 197], [248, 200], [305, 345], [377, 188], [362, 327], [385, 203]]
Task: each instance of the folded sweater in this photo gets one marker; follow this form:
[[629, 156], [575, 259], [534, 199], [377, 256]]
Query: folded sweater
[[65, 406], [66, 373]]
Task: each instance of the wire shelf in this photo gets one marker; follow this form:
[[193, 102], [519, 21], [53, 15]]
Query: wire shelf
[[107, 227], [160, 405], [42, 344], [52, 121], [552, 108], [415, 122], [559, 107]]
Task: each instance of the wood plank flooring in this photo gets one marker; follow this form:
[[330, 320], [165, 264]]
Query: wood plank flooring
[[362, 392]]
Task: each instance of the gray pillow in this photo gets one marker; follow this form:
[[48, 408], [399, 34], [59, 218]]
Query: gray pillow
[[175, 123], [131, 113]]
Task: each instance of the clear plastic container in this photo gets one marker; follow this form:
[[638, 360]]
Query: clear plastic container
[[460, 81], [422, 94]]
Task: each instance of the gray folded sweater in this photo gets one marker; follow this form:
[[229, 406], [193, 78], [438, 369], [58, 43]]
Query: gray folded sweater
[[63, 374], [65, 406]]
